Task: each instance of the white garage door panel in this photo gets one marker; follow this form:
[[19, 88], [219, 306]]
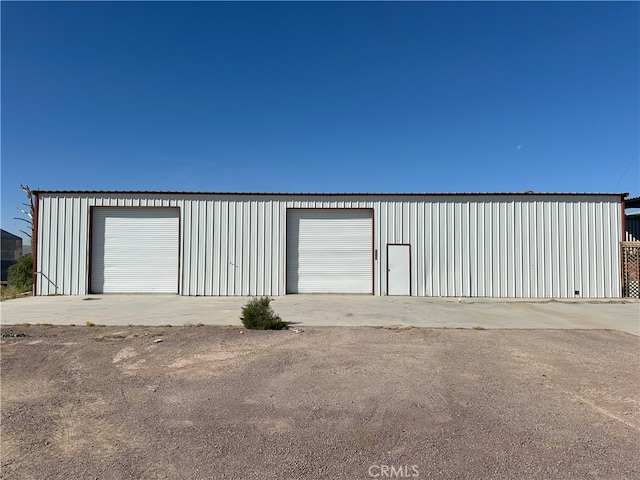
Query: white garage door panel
[[329, 251], [134, 250]]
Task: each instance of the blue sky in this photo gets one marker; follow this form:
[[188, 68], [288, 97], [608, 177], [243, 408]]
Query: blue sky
[[319, 97]]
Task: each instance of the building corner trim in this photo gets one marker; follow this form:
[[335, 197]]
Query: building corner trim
[[34, 245]]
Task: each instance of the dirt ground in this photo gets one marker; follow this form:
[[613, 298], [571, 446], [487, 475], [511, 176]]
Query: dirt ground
[[329, 402]]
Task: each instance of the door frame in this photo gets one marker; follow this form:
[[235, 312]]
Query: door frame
[[387, 265]]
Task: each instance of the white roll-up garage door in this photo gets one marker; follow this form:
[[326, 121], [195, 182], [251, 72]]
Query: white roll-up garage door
[[329, 251], [134, 250]]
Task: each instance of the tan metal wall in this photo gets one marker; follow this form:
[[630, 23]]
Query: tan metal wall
[[520, 245]]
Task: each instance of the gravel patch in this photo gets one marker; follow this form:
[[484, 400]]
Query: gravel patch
[[326, 402]]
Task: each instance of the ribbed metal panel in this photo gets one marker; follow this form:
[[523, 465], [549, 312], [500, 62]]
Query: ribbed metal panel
[[134, 250], [524, 246], [329, 251], [233, 247], [461, 245], [632, 227]]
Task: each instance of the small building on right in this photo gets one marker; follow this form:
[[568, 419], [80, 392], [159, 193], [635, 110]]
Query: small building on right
[[630, 249]]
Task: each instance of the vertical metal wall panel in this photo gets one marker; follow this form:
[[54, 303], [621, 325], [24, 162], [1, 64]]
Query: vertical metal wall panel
[[632, 227], [207, 288], [237, 250], [219, 248], [204, 233]]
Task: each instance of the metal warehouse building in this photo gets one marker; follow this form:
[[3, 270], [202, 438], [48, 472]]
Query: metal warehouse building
[[467, 245]]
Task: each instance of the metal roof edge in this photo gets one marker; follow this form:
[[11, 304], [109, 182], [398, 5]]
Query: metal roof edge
[[423, 194], [633, 202]]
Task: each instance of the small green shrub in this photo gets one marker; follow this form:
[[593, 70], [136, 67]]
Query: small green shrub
[[257, 314], [19, 274], [90, 324]]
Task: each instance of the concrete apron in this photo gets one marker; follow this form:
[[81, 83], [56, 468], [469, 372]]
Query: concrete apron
[[329, 310]]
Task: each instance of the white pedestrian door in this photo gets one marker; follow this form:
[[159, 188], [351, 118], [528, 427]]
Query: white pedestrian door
[[398, 270]]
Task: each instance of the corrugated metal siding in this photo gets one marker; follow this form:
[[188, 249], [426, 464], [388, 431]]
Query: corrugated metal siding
[[632, 227], [497, 247], [233, 247], [467, 245]]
